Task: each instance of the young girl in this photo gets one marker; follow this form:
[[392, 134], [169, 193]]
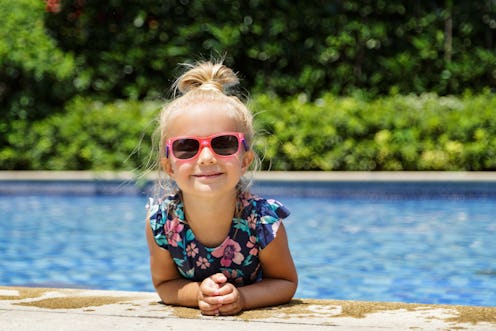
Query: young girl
[[213, 245]]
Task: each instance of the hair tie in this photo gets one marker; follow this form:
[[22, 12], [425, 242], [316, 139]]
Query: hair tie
[[211, 86]]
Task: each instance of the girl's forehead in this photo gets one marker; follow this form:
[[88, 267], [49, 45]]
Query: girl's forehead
[[203, 120]]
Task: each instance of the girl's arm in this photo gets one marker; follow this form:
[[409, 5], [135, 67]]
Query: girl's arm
[[169, 284], [279, 277]]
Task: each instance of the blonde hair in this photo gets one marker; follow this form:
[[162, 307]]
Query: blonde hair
[[203, 81]]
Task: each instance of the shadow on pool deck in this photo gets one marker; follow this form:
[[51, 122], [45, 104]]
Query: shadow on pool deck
[[24, 308]]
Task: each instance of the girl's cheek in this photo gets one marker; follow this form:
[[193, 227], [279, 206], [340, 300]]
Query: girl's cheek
[[181, 167]]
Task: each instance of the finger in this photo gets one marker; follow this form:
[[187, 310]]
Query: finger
[[214, 312], [230, 309], [210, 282], [209, 309], [209, 287], [219, 278], [226, 289], [227, 299], [214, 300]]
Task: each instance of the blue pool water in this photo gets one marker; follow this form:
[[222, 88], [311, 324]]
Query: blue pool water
[[424, 250]]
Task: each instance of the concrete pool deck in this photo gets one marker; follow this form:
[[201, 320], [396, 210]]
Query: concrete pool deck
[[24, 308]]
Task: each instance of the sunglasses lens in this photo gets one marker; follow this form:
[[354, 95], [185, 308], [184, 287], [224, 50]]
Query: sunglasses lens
[[185, 148], [225, 145]]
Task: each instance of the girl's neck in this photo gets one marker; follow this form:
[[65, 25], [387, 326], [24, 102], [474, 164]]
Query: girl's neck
[[210, 218]]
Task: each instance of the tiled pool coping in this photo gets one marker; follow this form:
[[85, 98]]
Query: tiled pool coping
[[272, 183], [435, 176], [76, 309]]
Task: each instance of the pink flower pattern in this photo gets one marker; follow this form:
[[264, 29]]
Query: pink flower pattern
[[229, 252], [172, 231], [202, 263], [252, 221], [253, 245], [192, 250]]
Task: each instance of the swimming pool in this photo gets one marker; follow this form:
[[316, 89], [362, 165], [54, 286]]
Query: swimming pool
[[375, 247]]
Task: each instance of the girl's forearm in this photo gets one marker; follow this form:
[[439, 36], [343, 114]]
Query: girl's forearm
[[267, 292], [179, 292]]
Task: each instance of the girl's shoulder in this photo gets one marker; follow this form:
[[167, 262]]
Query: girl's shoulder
[[263, 216], [158, 209], [263, 208], [165, 215]]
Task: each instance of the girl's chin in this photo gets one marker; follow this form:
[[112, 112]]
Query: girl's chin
[[208, 189]]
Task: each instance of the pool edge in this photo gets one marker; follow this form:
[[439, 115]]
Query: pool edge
[[277, 183], [24, 308], [336, 176]]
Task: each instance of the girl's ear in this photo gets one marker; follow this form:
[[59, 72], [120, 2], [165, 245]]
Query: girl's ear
[[248, 158], [167, 167]]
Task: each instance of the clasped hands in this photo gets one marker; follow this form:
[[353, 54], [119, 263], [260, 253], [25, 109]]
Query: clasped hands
[[218, 297]]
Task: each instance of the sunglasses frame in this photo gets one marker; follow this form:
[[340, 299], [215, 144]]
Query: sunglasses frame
[[206, 142]]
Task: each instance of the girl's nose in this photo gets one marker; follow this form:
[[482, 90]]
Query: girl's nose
[[206, 156]]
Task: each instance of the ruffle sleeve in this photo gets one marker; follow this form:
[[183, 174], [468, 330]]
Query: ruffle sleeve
[[271, 213], [157, 214]]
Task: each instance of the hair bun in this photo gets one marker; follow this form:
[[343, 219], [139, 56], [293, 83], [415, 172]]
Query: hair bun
[[207, 76], [211, 85]]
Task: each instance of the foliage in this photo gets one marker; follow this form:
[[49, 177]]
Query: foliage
[[393, 133], [89, 136], [357, 82], [410, 132], [34, 73], [130, 49]]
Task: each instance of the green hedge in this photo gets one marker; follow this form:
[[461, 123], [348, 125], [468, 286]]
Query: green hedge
[[90, 135], [424, 132], [128, 49], [35, 75], [122, 49]]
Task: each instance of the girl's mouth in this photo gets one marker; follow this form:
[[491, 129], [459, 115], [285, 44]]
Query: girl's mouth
[[210, 175]]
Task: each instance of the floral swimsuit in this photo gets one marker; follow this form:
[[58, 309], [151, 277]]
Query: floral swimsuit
[[236, 257]]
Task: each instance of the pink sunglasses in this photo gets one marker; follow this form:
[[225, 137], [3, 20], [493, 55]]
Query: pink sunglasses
[[222, 144]]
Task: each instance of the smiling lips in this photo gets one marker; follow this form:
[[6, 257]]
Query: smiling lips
[[210, 175]]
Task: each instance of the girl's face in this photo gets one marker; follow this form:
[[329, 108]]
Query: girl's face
[[207, 174]]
